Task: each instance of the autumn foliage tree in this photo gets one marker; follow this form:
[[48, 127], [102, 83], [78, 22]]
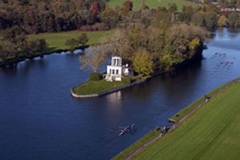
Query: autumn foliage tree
[[110, 17], [142, 62], [95, 8], [128, 5]]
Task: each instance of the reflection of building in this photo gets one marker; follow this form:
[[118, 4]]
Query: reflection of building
[[116, 70]]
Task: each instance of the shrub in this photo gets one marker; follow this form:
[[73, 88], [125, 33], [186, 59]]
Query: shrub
[[126, 80], [94, 76]]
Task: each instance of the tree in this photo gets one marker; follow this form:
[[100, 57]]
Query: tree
[[168, 61], [233, 19], [95, 8], [94, 57], [178, 38], [172, 7], [128, 5], [110, 17], [72, 43], [41, 45], [210, 19], [119, 44], [83, 39], [142, 62], [222, 21], [162, 20], [197, 19]]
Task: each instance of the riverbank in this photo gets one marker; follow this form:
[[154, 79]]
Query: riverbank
[[133, 150], [56, 44], [107, 91]]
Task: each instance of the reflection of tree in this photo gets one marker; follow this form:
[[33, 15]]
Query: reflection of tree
[[187, 80], [145, 90], [233, 30]]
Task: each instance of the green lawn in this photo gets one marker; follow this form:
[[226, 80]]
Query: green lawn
[[93, 87], [151, 3], [178, 116], [212, 132], [138, 144], [57, 41]]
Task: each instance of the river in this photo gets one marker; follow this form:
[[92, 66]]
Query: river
[[40, 120]]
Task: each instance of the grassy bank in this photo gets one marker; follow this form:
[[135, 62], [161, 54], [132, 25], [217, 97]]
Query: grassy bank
[[152, 3], [57, 41], [138, 144], [212, 132], [93, 87], [178, 116]]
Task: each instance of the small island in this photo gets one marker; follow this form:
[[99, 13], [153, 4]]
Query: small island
[[117, 77], [137, 54]]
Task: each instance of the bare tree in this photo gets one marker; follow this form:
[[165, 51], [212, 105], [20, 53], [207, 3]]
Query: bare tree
[[94, 57]]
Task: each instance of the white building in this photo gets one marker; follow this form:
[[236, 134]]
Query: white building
[[115, 71]]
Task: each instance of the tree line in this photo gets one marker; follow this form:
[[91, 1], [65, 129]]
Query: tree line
[[37, 16], [148, 49], [21, 17], [15, 45]]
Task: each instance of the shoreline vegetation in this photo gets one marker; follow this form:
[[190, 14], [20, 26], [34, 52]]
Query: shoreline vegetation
[[149, 140], [56, 44], [100, 87], [48, 21]]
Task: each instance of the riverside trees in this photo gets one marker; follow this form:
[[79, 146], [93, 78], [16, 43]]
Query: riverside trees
[[149, 49], [14, 45]]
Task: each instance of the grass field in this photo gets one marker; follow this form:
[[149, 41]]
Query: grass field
[[57, 41], [212, 132], [146, 138], [93, 87], [151, 3], [178, 116]]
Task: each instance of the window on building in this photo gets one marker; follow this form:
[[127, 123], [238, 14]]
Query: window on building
[[117, 71], [113, 71]]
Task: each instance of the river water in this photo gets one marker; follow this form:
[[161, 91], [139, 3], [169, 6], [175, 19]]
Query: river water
[[40, 120]]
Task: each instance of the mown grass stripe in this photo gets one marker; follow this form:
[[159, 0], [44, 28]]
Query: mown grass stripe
[[213, 125]]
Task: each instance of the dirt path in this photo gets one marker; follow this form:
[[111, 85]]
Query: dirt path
[[175, 125]]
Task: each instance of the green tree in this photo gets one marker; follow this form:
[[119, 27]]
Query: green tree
[[83, 39], [142, 62], [210, 19], [72, 43], [41, 45], [168, 61], [198, 19], [233, 19]]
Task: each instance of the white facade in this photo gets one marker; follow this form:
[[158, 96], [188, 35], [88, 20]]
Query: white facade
[[116, 70]]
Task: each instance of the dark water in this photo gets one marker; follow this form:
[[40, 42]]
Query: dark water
[[40, 120]]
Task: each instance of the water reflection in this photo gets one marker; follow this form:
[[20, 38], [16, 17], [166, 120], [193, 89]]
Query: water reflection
[[143, 91], [43, 117], [114, 99]]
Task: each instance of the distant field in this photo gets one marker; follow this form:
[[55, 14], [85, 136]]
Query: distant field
[[212, 132], [151, 3], [57, 41]]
